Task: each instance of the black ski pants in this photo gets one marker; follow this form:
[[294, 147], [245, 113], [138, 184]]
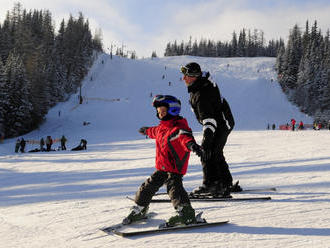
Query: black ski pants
[[216, 168], [173, 182]]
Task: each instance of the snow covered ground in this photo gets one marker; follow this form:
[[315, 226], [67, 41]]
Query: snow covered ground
[[62, 198]]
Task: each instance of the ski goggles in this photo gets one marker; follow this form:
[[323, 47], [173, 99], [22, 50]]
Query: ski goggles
[[157, 99], [165, 100], [184, 70], [187, 72]]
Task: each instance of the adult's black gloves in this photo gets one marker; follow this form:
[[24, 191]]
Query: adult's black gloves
[[207, 144]]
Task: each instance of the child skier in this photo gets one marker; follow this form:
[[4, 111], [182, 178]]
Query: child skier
[[174, 141]]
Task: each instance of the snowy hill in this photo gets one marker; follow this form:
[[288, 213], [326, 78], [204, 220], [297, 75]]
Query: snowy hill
[[62, 198], [117, 97]]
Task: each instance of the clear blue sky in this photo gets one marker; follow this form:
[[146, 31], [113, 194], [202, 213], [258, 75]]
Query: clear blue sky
[[148, 25]]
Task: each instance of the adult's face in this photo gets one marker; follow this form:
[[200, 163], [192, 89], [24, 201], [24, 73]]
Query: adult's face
[[189, 80]]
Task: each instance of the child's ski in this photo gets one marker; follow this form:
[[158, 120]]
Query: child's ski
[[110, 229], [168, 229]]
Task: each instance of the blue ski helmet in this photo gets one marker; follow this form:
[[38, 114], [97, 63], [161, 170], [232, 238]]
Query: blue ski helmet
[[172, 103]]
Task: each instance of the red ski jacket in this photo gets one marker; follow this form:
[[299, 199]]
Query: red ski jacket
[[172, 136]]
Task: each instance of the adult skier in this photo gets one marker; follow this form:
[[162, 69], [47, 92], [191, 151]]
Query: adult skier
[[42, 143], [22, 145], [293, 123], [174, 141], [17, 145], [49, 142], [63, 141], [213, 112]]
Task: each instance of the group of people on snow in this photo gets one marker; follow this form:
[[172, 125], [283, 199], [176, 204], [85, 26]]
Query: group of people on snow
[[294, 126], [175, 140], [45, 145], [273, 126]]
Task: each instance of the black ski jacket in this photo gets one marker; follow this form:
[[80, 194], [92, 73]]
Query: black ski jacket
[[211, 110]]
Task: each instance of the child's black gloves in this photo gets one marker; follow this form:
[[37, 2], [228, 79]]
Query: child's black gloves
[[195, 148], [143, 130]]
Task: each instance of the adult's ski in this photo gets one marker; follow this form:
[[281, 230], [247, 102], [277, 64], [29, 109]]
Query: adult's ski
[[214, 199], [237, 192], [219, 199], [168, 229]]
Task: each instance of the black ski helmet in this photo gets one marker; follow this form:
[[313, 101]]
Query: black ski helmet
[[191, 69]]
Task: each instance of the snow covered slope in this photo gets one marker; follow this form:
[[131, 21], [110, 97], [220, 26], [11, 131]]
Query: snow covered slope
[[61, 199], [117, 97]]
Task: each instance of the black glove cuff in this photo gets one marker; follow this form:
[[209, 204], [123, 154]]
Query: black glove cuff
[[207, 138]]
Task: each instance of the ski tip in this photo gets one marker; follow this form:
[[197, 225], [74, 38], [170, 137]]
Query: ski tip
[[129, 198]]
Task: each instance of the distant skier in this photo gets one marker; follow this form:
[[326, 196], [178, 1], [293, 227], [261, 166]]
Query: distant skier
[[213, 112], [17, 145], [83, 144], [273, 126], [174, 141], [293, 123], [49, 142], [22, 145], [63, 141], [42, 143], [2, 137], [301, 125]]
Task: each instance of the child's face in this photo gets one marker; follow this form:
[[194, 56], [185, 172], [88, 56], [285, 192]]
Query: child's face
[[162, 112]]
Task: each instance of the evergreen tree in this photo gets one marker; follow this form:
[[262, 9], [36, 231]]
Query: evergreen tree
[[4, 98], [153, 54], [292, 56], [242, 44], [168, 51], [234, 49], [19, 109], [6, 38]]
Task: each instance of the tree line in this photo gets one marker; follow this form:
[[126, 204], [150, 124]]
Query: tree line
[[39, 67], [303, 67], [246, 44]]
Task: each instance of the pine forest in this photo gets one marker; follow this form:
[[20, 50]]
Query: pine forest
[[303, 67], [40, 67]]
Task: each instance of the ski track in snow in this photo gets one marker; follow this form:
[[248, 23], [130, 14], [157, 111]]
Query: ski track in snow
[[63, 198]]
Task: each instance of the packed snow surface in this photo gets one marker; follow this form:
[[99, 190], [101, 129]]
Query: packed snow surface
[[62, 198]]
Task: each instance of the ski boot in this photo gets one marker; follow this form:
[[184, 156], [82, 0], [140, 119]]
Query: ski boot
[[203, 189], [185, 216], [235, 187], [219, 190], [137, 213]]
